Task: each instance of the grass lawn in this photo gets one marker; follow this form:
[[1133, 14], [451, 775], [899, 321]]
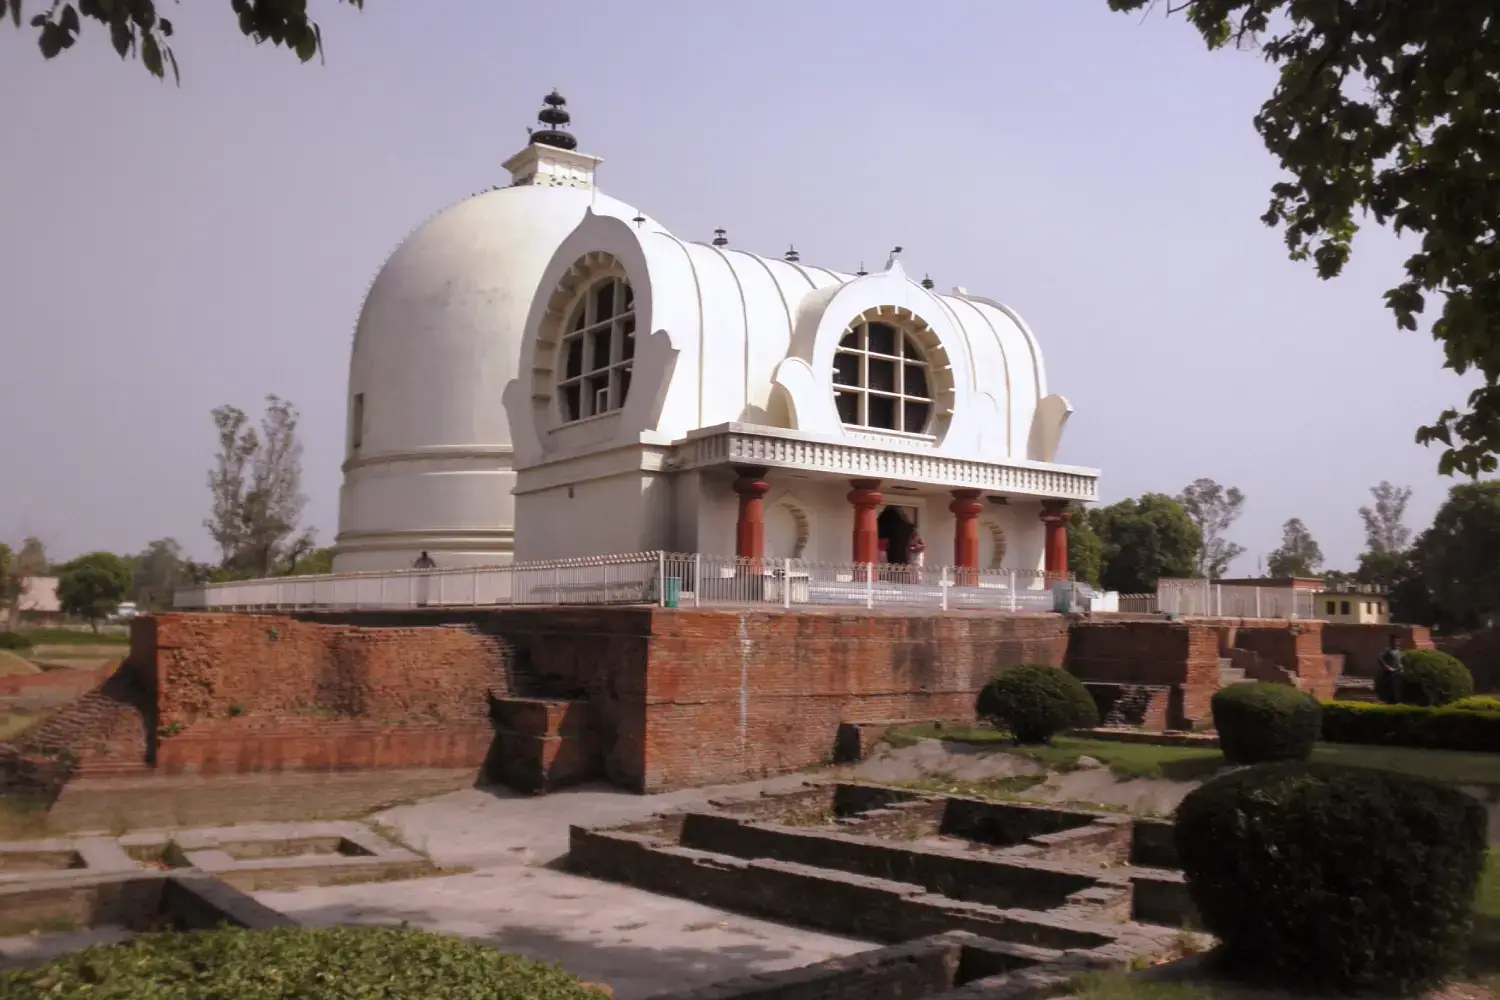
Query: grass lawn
[[1179, 763], [72, 637]]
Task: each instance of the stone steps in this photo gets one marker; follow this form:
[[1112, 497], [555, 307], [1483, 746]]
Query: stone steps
[[1229, 673]]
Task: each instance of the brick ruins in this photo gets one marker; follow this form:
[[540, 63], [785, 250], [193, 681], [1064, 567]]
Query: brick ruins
[[986, 899], [384, 705]]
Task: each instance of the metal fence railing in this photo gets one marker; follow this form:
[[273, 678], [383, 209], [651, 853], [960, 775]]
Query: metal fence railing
[[668, 579], [1206, 599]]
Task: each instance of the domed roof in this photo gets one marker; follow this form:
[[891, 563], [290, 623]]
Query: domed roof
[[439, 334]]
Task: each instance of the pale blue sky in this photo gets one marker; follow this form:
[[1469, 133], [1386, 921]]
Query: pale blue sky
[[164, 250]]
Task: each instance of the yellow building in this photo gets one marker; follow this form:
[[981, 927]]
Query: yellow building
[[1353, 607]]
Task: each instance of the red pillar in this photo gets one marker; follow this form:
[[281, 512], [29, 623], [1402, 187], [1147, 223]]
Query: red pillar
[[750, 531], [1055, 516], [866, 498], [966, 507]]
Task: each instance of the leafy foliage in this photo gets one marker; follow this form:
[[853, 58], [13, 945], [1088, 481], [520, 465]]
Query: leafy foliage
[[1390, 109], [92, 586], [1037, 702], [256, 484], [1085, 551], [1385, 522], [1214, 510], [1431, 678], [135, 27], [14, 640], [1459, 556], [1259, 723], [1326, 878], [15, 568], [327, 964], [1144, 540], [318, 562], [1299, 554], [1446, 728]]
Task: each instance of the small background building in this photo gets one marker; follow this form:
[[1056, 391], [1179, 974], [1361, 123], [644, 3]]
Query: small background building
[[1354, 607]]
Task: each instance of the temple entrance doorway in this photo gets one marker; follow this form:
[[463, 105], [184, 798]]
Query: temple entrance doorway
[[895, 528]]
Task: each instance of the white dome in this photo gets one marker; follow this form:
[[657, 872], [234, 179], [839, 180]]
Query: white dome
[[439, 336]]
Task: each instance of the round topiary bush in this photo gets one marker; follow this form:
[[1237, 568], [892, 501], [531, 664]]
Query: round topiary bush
[[14, 640], [338, 962], [1431, 678], [1259, 723], [1036, 703], [1329, 878], [1477, 703]]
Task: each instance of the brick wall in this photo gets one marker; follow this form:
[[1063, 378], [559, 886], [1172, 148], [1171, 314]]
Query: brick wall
[[1182, 656], [736, 695], [1361, 645], [1295, 646]]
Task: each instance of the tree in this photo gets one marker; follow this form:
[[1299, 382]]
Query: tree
[[93, 586], [1213, 509], [1385, 528], [157, 573], [1144, 540], [1085, 554], [256, 483], [1393, 110], [1459, 556], [319, 562], [135, 28], [1299, 555]]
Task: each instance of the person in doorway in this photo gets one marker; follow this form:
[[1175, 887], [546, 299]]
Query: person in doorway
[[916, 554], [1388, 677]]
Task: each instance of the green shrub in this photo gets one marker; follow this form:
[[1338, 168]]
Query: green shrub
[[14, 640], [1476, 703], [1259, 723], [338, 962], [1037, 702], [1324, 878], [1446, 728], [1431, 678]]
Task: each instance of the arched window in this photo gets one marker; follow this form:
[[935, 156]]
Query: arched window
[[880, 378], [597, 351]]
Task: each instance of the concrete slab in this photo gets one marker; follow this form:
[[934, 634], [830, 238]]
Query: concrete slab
[[635, 942]]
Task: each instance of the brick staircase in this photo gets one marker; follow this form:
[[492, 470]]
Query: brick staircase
[[105, 730], [1229, 673], [1253, 666]]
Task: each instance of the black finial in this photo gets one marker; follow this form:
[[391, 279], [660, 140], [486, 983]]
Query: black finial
[[639, 220], [928, 283], [555, 119], [791, 256], [720, 240], [861, 272]]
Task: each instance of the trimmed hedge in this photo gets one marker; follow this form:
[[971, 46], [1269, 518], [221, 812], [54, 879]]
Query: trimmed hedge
[[1477, 703], [1446, 728], [1324, 878], [331, 964], [1258, 723], [1037, 702], [1430, 678], [14, 640]]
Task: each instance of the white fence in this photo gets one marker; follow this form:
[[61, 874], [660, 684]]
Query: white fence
[[1206, 599], [663, 578]]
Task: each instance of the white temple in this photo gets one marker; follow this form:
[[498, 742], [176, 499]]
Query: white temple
[[542, 372]]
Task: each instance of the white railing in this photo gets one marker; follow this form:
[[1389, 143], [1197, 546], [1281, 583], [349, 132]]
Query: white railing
[[1206, 599], [668, 579]]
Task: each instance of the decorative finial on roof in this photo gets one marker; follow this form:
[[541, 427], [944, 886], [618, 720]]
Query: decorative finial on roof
[[861, 272], [554, 118], [891, 261], [720, 240], [791, 256], [928, 283], [639, 220]]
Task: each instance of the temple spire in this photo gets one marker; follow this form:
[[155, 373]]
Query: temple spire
[[551, 157], [554, 119]]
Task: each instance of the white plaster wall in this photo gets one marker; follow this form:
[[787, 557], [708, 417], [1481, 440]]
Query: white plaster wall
[[624, 513], [437, 341]]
